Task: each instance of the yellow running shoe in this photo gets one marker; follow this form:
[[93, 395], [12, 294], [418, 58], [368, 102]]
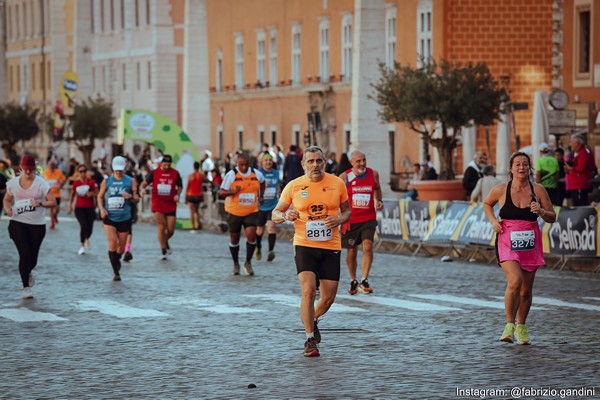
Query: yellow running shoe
[[508, 334], [521, 335]]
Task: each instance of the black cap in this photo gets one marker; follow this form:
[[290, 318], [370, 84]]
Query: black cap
[[167, 158]]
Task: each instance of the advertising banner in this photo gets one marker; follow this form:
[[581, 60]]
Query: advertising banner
[[168, 137], [388, 220], [474, 227], [417, 217], [444, 225], [574, 232]]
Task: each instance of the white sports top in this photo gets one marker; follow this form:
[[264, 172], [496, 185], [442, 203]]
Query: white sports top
[[22, 209]]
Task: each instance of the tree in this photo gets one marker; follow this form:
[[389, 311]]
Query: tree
[[447, 96], [93, 120], [17, 123]]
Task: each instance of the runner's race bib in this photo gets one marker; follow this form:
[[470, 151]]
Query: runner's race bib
[[246, 199], [52, 182], [361, 200], [23, 206], [116, 203], [82, 190], [522, 240], [316, 231], [164, 189], [270, 193]]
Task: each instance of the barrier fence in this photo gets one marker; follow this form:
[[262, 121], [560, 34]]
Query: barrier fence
[[462, 225]]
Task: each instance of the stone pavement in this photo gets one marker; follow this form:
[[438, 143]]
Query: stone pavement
[[186, 329]]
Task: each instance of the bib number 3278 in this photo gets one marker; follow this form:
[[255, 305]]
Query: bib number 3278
[[522, 240], [317, 231]]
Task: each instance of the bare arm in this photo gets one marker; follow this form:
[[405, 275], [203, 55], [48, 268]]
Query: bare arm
[[543, 207], [71, 197], [490, 202], [378, 193], [280, 213], [7, 203], [101, 193]]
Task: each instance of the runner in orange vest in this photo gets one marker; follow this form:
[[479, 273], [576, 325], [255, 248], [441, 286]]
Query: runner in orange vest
[[243, 188]]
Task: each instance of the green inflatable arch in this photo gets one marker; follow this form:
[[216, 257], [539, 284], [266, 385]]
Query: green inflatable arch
[[167, 136]]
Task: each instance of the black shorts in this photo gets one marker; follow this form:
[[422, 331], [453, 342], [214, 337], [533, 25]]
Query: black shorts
[[168, 214], [359, 232], [236, 222], [263, 217], [58, 201], [323, 262], [194, 199], [122, 227]]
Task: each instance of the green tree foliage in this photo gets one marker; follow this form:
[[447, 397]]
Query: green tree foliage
[[449, 95], [17, 123], [93, 120]]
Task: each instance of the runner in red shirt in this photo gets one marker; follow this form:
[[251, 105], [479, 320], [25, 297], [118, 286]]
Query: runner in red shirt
[[84, 192], [166, 188], [193, 196]]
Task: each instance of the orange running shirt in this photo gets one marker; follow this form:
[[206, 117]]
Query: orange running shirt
[[315, 201], [245, 202], [54, 179]]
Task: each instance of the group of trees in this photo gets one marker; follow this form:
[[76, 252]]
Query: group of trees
[[93, 119]]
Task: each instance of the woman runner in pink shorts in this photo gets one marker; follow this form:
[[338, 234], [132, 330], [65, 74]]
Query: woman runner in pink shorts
[[519, 240]]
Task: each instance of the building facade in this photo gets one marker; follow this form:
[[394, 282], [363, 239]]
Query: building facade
[[128, 52], [239, 73]]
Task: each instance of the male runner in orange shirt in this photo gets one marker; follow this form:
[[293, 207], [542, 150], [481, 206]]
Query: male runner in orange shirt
[[319, 206]]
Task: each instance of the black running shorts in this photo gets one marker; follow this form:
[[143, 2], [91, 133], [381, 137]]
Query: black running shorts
[[324, 263], [235, 222], [263, 217], [123, 226], [359, 232]]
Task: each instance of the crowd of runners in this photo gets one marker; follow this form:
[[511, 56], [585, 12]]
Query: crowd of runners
[[329, 213]]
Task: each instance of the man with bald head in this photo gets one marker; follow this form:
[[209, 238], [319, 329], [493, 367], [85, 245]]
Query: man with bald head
[[364, 196], [473, 172]]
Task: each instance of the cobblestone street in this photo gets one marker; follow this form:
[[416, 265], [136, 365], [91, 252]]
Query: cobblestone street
[[186, 328]]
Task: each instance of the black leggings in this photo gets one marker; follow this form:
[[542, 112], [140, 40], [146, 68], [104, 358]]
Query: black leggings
[[28, 239], [86, 217]]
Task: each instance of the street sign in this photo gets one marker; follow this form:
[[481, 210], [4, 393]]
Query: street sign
[[561, 122]]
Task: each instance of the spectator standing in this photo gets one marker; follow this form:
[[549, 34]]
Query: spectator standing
[[473, 172], [332, 164], [207, 164], [343, 165], [580, 168], [485, 184], [546, 172], [561, 190], [292, 166]]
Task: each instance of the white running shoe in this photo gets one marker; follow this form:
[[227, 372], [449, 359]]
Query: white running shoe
[[27, 293], [81, 251]]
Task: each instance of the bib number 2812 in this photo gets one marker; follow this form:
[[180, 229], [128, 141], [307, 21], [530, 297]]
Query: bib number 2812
[[317, 231]]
